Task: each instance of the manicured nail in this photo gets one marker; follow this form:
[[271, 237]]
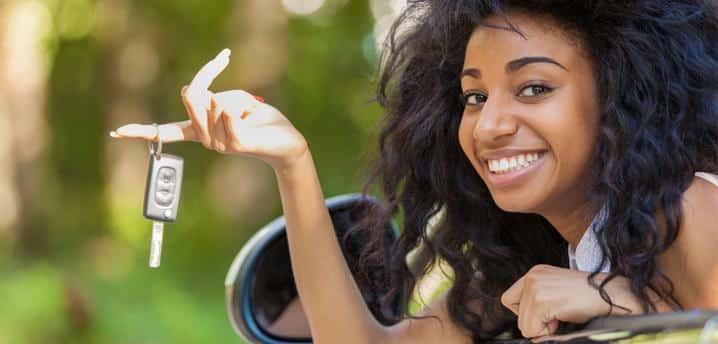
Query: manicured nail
[[123, 130], [225, 53], [114, 134]]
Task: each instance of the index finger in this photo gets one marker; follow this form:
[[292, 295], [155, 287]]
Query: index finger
[[169, 132], [210, 71]]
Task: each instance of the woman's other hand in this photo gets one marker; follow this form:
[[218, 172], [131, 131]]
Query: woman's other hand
[[547, 294], [232, 122]]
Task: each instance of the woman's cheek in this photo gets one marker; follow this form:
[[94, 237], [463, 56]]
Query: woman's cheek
[[466, 137]]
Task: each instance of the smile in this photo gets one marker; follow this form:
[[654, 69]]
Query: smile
[[513, 163], [509, 170]]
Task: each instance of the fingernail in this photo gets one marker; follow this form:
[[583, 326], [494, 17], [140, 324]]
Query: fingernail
[[225, 53], [259, 98], [122, 130], [114, 134]]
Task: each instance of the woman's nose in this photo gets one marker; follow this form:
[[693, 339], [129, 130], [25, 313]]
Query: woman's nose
[[495, 121]]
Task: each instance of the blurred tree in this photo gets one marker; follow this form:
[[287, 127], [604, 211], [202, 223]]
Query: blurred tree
[[23, 29], [71, 70]]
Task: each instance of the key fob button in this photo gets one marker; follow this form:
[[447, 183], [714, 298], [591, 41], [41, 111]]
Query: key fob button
[[166, 174], [162, 186], [163, 198]]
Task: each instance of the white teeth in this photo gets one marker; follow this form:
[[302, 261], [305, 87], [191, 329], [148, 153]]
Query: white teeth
[[513, 163], [504, 164]]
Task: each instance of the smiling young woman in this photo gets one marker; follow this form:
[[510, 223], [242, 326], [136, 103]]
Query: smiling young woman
[[573, 168], [530, 96], [570, 147]]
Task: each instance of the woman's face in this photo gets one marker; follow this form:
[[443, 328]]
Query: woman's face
[[531, 115]]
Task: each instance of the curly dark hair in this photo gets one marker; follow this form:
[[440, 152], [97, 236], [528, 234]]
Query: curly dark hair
[[655, 65]]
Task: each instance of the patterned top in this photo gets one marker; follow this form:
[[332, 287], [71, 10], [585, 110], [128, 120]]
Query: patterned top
[[587, 255]]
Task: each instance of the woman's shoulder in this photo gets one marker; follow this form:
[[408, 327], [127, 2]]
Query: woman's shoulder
[[711, 178], [700, 207], [691, 262], [700, 203]]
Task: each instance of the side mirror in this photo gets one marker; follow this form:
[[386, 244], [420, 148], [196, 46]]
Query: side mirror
[[262, 300]]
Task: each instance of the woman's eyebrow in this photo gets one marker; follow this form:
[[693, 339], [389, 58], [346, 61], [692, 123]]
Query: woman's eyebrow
[[513, 66], [472, 72], [518, 63]]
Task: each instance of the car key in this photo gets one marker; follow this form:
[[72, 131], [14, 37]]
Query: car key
[[162, 195]]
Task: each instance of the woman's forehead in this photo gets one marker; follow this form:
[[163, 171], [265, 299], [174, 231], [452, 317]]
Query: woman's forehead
[[495, 41]]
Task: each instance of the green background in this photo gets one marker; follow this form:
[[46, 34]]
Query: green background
[[73, 241]]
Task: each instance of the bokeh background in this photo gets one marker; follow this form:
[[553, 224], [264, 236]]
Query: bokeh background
[[73, 241]]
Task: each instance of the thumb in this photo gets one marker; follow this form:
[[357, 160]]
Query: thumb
[[549, 328]]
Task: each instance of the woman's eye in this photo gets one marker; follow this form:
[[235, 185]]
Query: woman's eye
[[474, 98], [535, 90]]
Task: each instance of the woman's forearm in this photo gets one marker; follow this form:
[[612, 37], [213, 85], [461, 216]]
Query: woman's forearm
[[333, 304]]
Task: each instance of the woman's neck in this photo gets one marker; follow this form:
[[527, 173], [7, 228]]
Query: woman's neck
[[572, 223]]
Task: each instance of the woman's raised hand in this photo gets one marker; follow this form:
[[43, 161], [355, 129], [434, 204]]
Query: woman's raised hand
[[232, 122]]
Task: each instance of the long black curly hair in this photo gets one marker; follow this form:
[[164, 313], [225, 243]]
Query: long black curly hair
[[655, 66]]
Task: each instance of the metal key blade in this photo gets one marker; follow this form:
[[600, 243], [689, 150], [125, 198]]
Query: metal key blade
[[156, 243]]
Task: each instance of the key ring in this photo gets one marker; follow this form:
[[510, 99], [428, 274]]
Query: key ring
[[156, 151]]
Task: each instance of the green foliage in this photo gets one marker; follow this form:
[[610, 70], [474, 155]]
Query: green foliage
[[80, 275]]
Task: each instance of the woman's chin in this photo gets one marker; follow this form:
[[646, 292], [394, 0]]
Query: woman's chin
[[515, 204]]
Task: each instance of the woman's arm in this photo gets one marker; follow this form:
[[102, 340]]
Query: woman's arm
[[236, 122], [333, 304], [547, 295]]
